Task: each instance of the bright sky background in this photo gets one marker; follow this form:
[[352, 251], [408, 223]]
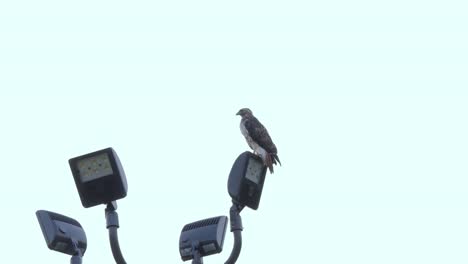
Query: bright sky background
[[366, 101]]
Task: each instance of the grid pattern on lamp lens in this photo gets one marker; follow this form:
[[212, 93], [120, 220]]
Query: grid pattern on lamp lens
[[94, 167], [254, 171]]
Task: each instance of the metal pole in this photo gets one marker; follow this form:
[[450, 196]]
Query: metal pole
[[197, 259], [236, 229], [112, 221], [76, 259]]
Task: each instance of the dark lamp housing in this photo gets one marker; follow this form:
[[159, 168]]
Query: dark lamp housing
[[245, 183], [62, 233], [205, 236], [99, 177]]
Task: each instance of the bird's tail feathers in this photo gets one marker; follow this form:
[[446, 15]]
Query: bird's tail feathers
[[275, 159], [269, 161]]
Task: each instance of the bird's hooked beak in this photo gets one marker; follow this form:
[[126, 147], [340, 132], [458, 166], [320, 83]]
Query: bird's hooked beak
[[238, 113]]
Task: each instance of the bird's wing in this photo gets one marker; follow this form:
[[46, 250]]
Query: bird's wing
[[259, 134]]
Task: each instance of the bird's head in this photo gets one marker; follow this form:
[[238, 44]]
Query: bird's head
[[244, 112]]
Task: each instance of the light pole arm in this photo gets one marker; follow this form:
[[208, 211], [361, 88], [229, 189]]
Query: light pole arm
[[112, 222], [77, 257], [197, 259], [236, 229]]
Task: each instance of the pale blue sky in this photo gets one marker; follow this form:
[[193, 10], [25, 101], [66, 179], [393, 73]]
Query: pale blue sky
[[366, 101]]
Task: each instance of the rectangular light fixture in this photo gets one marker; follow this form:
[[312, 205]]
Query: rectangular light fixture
[[246, 179], [206, 236], [62, 233], [99, 177]]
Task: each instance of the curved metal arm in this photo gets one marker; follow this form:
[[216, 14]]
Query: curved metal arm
[[236, 249], [236, 228], [115, 247], [112, 221], [77, 257], [197, 259]]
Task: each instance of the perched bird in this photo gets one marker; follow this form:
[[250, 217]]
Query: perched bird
[[258, 138]]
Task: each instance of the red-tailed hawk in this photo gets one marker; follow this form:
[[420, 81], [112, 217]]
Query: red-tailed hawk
[[258, 138]]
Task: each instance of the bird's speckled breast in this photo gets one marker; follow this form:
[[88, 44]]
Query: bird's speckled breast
[[252, 144], [243, 129]]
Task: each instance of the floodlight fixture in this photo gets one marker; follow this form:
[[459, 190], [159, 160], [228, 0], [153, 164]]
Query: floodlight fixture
[[245, 183], [202, 238], [99, 177], [63, 234]]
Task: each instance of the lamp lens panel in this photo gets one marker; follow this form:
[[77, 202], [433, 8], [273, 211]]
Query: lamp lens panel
[[209, 248], [254, 170], [186, 251], [61, 246], [94, 167]]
